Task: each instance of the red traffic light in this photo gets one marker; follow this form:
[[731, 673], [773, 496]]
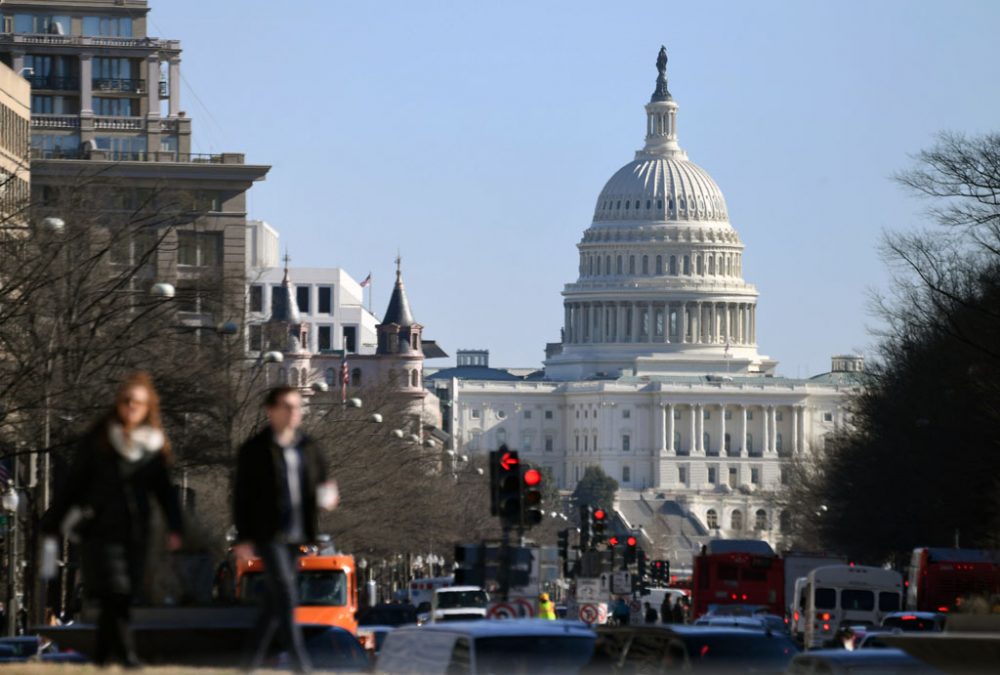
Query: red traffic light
[[631, 541], [532, 477], [599, 514], [613, 541], [508, 460]]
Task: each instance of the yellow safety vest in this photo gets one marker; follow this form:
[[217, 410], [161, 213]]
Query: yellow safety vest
[[546, 610]]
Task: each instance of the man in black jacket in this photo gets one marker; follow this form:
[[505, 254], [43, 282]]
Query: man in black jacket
[[280, 477]]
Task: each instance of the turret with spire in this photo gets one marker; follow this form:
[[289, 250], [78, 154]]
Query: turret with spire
[[398, 333], [284, 326]]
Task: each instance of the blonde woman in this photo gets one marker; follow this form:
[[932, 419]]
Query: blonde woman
[[120, 465]]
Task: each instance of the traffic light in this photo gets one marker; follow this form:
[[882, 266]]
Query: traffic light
[[531, 497], [562, 538], [505, 476], [470, 565], [520, 566], [631, 544], [656, 572], [600, 519], [586, 527]]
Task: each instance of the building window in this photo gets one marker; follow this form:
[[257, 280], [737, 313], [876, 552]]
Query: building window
[[755, 475], [415, 378], [256, 298], [595, 442], [111, 26], [525, 441], [350, 343], [712, 475], [729, 414], [501, 414], [777, 416], [631, 264], [325, 300], [673, 265], [728, 442], [356, 377], [645, 264], [578, 444], [577, 414], [712, 519], [256, 337], [777, 442], [682, 475], [302, 298], [548, 414], [707, 414], [827, 417], [626, 474], [734, 477], [324, 338], [626, 442], [586, 443], [736, 520], [749, 414], [749, 443], [677, 441], [199, 249], [549, 443], [659, 265], [687, 264], [677, 414], [527, 414], [586, 414], [626, 413], [475, 413]]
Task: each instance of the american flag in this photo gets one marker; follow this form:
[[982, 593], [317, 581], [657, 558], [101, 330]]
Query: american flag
[[368, 280], [345, 378]]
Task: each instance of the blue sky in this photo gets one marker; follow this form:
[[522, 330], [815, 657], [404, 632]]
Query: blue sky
[[475, 137]]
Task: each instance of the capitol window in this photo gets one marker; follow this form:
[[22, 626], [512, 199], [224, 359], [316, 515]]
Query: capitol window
[[673, 265], [618, 266], [626, 442], [712, 475], [659, 265], [548, 414], [501, 414], [707, 414], [527, 414], [777, 415], [736, 520], [827, 417], [475, 413], [626, 474], [687, 265], [755, 475], [631, 264], [626, 204], [645, 264], [626, 413], [712, 519], [700, 265], [548, 444]]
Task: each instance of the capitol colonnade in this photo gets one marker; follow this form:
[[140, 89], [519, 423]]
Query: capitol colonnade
[[707, 322]]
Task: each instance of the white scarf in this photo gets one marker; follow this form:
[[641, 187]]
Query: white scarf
[[144, 440]]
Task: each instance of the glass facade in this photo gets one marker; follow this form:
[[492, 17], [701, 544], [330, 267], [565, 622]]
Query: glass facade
[[112, 26], [123, 148], [52, 24]]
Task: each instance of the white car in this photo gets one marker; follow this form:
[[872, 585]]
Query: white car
[[459, 603]]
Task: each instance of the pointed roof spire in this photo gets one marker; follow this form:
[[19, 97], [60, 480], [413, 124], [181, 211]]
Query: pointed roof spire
[[661, 93], [398, 311], [284, 308]]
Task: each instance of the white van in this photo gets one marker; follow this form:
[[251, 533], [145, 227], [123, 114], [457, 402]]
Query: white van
[[847, 595], [459, 603]]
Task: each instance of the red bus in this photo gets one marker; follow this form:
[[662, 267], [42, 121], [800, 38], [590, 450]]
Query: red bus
[[738, 572], [939, 577]]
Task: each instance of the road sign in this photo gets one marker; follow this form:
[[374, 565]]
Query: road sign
[[501, 610], [588, 590], [621, 583], [594, 613]]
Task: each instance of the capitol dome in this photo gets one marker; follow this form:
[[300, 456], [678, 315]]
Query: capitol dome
[[661, 188], [660, 286]]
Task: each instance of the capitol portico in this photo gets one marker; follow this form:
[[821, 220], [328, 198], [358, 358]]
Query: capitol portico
[[658, 378]]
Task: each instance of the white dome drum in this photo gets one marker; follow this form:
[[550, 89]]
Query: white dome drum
[[660, 189]]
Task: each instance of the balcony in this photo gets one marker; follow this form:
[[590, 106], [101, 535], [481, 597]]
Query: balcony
[[120, 156], [120, 123], [54, 83], [146, 43], [119, 85]]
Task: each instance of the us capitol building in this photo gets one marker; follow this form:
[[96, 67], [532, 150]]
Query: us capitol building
[[658, 378]]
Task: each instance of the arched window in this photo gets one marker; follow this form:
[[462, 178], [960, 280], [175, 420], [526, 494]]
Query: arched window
[[626, 474], [619, 265], [712, 519], [607, 264], [415, 378], [598, 265], [619, 204], [711, 264], [631, 264], [295, 377], [659, 203], [760, 520], [700, 265], [659, 265], [736, 520], [687, 264], [648, 204], [329, 375], [626, 204], [673, 265], [590, 264], [645, 264], [356, 377]]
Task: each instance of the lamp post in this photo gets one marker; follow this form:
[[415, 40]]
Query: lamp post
[[11, 500]]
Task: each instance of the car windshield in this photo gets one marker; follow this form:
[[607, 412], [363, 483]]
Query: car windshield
[[317, 588], [532, 654], [456, 599]]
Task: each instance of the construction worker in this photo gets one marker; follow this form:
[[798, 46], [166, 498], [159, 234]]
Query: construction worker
[[546, 609]]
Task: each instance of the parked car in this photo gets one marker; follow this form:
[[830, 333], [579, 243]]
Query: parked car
[[771, 622], [844, 662], [478, 647], [932, 622], [873, 638], [674, 648]]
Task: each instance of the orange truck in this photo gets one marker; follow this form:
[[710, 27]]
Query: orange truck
[[327, 585]]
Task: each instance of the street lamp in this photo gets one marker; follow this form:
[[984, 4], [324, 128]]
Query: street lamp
[[376, 418], [273, 357], [398, 433], [163, 290], [11, 500], [353, 403], [320, 387], [53, 225]]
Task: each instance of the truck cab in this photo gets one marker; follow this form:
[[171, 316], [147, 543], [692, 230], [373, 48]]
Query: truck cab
[[459, 603]]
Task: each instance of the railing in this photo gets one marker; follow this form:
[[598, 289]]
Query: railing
[[55, 121], [120, 123], [53, 82], [91, 41], [129, 86], [55, 153]]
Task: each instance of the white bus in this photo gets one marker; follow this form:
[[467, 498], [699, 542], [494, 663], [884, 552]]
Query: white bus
[[848, 595]]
